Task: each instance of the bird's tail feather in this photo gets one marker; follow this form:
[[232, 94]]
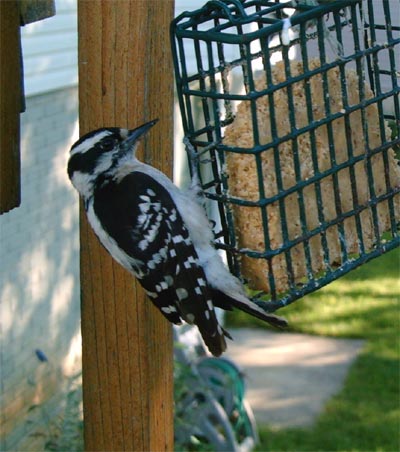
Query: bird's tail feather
[[215, 343], [204, 316], [239, 301]]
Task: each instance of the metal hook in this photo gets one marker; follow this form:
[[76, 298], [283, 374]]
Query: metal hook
[[224, 5]]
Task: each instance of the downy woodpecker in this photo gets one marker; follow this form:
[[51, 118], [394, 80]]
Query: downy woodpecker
[[158, 232]]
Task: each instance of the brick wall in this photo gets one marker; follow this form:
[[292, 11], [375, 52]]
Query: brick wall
[[39, 275]]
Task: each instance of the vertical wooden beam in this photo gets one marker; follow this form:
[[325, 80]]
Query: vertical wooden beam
[[11, 93], [125, 79]]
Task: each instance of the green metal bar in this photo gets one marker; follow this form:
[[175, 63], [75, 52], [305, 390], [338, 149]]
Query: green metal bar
[[278, 174], [313, 285], [182, 29], [218, 177], [297, 164], [389, 36], [264, 213], [203, 87], [332, 150], [369, 170], [350, 151], [181, 74], [250, 87]]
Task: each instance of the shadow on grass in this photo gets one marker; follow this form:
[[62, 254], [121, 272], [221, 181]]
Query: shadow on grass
[[358, 321], [384, 266], [346, 302]]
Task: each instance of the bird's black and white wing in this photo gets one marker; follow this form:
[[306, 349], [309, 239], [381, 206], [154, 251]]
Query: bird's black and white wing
[[138, 215]]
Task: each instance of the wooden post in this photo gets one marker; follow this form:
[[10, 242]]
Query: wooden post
[[11, 93], [125, 79]]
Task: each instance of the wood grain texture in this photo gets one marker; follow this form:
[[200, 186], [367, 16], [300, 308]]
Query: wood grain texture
[[10, 106], [125, 73]]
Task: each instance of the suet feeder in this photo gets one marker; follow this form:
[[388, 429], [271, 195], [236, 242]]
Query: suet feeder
[[293, 112]]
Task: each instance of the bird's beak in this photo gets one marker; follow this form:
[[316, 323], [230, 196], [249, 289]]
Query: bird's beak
[[135, 134]]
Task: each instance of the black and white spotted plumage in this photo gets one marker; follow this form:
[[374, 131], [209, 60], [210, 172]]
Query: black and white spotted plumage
[[156, 231]]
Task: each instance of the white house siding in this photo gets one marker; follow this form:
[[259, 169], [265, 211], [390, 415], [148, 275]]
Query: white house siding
[[39, 270], [50, 51], [39, 276]]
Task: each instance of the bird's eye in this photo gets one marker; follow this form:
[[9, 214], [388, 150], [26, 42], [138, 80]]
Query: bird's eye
[[107, 144]]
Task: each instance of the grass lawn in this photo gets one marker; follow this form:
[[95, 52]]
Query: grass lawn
[[365, 415]]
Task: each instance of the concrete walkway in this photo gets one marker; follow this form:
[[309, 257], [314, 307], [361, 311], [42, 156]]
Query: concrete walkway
[[289, 376]]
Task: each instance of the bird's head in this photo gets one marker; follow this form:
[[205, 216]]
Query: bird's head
[[99, 152]]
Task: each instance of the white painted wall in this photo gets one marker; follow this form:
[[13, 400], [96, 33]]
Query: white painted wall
[[50, 51], [39, 275]]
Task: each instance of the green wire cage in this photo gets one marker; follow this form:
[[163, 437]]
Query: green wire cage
[[293, 111]]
